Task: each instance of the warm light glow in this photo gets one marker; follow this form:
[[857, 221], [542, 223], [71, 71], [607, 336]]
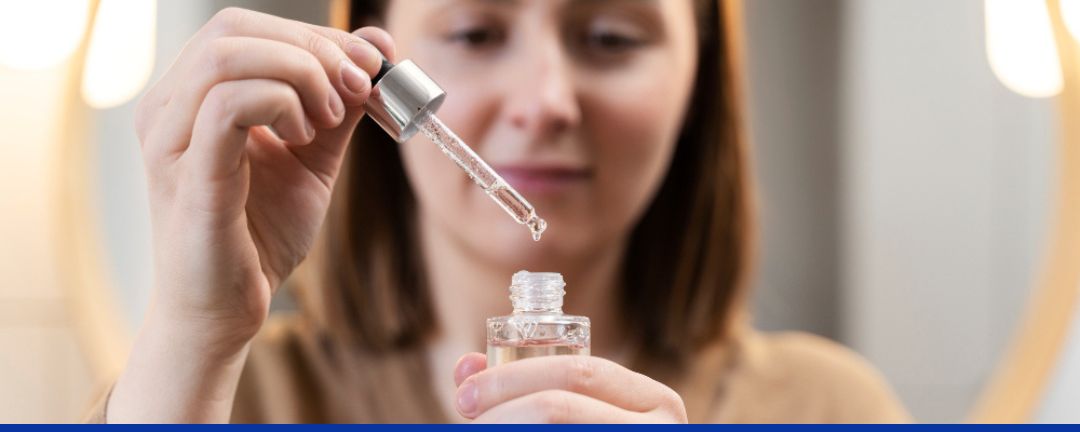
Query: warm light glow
[[1020, 46], [1070, 12], [36, 34], [121, 53]]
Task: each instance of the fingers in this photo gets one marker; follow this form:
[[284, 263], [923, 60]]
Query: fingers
[[334, 48], [238, 58], [380, 38], [230, 109], [468, 365], [347, 61], [591, 376], [559, 406], [324, 156]]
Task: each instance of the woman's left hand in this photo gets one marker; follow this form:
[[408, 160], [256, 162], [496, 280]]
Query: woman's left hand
[[562, 389]]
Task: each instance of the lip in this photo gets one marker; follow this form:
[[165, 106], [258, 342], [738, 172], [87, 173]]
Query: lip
[[543, 179]]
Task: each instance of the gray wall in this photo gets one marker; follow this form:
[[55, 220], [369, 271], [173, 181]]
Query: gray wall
[[793, 74], [904, 190], [947, 176]]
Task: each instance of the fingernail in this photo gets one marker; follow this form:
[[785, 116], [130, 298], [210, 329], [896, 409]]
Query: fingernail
[[467, 396], [364, 54], [336, 106], [356, 80]]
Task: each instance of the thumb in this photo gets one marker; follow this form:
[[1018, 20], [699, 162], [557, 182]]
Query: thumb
[[468, 365], [325, 154]]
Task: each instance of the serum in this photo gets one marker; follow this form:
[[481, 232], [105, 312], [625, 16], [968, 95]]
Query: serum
[[537, 327]]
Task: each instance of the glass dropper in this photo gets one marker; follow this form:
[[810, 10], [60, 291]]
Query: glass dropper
[[404, 100], [494, 185]]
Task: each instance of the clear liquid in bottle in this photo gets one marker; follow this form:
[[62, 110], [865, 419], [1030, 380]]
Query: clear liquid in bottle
[[502, 353]]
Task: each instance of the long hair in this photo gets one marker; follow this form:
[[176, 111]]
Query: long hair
[[684, 273]]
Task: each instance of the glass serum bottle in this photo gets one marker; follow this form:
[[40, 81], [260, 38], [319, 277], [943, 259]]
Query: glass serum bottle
[[537, 327]]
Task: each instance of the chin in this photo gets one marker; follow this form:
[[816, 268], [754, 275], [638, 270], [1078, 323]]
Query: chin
[[506, 238]]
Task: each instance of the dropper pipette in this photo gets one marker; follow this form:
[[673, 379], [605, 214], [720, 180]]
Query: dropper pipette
[[404, 100]]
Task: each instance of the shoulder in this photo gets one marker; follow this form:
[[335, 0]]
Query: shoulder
[[281, 334], [277, 373], [810, 359], [296, 373], [280, 349], [799, 377]]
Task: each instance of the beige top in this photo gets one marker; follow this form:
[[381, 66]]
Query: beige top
[[296, 375]]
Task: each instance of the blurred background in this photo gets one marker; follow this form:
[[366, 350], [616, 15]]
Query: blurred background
[[910, 155]]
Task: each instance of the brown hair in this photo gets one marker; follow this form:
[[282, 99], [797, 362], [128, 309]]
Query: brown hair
[[684, 271]]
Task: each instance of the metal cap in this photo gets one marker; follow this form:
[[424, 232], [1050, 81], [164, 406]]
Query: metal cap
[[399, 96]]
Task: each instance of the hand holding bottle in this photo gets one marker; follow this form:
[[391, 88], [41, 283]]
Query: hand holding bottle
[[561, 389]]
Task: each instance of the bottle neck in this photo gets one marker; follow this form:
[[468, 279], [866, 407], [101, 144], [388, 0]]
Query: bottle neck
[[537, 292]]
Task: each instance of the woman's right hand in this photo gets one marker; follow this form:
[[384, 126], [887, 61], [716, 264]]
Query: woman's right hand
[[236, 205]]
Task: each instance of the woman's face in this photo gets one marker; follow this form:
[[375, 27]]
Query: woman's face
[[576, 103]]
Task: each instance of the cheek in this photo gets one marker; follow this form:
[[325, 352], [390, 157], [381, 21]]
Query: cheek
[[635, 126], [441, 187], [444, 192], [438, 184]]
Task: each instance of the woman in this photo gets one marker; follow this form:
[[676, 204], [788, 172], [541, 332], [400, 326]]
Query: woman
[[617, 119]]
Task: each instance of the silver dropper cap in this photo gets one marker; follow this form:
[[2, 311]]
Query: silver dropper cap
[[400, 94]]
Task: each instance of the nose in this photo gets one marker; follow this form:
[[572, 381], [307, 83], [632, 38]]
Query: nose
[[543, 100]]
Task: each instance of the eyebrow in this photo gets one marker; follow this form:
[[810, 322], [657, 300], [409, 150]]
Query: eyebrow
[[512, 2], [446, 4]]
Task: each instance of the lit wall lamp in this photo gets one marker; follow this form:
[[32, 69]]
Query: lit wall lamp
[[40, 34], [120, 57], [1070, 13], [1020, 46]]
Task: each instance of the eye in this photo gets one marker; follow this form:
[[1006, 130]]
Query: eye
[[608, 37], [478, 37], [611, 41]]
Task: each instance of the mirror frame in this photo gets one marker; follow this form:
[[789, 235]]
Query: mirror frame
[[82, 269], [1017, 385]]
